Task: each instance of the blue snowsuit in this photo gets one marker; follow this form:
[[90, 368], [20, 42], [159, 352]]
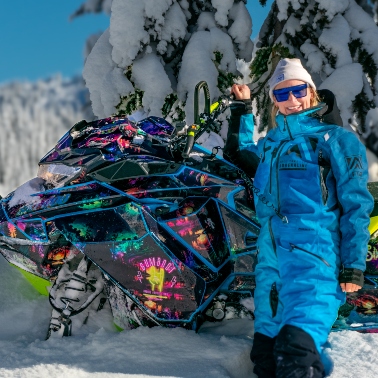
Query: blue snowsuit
[[314, 174]]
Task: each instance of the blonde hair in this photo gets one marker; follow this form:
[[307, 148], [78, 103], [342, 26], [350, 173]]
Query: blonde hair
[[315, 100]]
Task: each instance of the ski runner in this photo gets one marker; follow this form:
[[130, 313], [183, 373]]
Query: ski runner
[[312, 202]]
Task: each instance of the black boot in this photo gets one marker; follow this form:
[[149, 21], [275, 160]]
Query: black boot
[[262, 356], [296, 355]]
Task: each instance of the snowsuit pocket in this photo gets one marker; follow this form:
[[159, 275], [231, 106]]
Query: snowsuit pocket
[[298, 249], [273, 299], [293, 246]]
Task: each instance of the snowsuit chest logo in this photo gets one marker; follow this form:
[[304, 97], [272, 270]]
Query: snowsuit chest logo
[[292, 159]]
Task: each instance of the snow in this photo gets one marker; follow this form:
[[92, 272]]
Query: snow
[[222, 8], [241, 29], [283, 6], [363, 28], [335, 39], [174, 28], [315, 57], [292, 26], [168, 29], [105, 81], [25, 192], [127, 31], [332, 7], [149, 74], [345, 90], [97, 350]]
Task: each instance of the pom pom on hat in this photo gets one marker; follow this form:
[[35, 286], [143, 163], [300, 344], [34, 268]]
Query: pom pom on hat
[[289, 69]]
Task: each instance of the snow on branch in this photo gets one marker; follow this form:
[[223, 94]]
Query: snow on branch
[[155, 52]]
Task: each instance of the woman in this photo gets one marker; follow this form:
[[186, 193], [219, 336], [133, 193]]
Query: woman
[[313, 204]]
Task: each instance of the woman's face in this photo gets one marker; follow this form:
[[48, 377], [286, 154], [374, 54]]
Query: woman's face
[[293, 104]]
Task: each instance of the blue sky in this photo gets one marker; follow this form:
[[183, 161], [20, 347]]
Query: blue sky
[[38, 40]]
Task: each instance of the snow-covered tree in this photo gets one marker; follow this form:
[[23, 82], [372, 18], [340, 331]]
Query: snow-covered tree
[[33, 118], [370, 6], [93, 6], [336, 41], [155, 52]]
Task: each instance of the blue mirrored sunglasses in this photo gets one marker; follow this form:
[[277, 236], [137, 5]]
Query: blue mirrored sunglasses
[[297, 90]]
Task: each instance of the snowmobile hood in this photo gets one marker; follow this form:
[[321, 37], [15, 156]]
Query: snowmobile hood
[[112, 138]]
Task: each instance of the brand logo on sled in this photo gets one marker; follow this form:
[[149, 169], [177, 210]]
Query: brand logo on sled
[[158, 273], [158, 263], [355, 166]]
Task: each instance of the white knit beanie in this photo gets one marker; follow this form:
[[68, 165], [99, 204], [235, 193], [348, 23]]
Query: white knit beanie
[[288, 69]]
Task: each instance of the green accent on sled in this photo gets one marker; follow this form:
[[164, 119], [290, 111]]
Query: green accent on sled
[[214, 106], [118, 328], [40, 284], [373, 226]]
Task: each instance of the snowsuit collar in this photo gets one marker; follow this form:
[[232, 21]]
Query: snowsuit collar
[[289, 126]]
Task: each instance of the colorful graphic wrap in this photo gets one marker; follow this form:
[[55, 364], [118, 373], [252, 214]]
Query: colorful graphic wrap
[[192, 177], [372, 257], [240, 232], [162, 284], [204, 232], [86, 195], [33, 229], [10, 230], [108, 225], [157, 127]]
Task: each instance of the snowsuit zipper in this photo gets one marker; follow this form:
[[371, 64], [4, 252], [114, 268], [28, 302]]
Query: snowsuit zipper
[[274, 153], [272, 236], [293, 246], [323, 173], [288, 128]]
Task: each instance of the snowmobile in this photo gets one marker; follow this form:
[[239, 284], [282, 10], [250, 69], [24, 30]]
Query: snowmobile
[[137, 215], [138, 211]]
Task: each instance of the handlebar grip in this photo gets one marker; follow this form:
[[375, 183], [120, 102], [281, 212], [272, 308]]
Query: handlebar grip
[[189, 141]]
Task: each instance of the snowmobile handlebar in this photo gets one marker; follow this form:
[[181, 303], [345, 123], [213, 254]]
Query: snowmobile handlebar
[[201, 85], [192, 130], [204, 121], [189, 141]]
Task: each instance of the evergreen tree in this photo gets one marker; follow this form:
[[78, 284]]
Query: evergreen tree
[[155, 52], [93, 6]]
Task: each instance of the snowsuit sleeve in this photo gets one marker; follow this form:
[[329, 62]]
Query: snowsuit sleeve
[[240, 148], [350, 168]]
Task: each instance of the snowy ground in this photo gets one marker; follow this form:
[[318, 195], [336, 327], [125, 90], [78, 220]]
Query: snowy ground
[[98, 350]]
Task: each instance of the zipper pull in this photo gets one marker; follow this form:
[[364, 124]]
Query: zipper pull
[[285, 123]]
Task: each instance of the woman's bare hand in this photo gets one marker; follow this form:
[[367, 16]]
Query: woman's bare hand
[[241, 91], [349, 287]]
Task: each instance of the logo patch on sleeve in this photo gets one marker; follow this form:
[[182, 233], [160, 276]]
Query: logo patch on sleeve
[[355, 166]]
